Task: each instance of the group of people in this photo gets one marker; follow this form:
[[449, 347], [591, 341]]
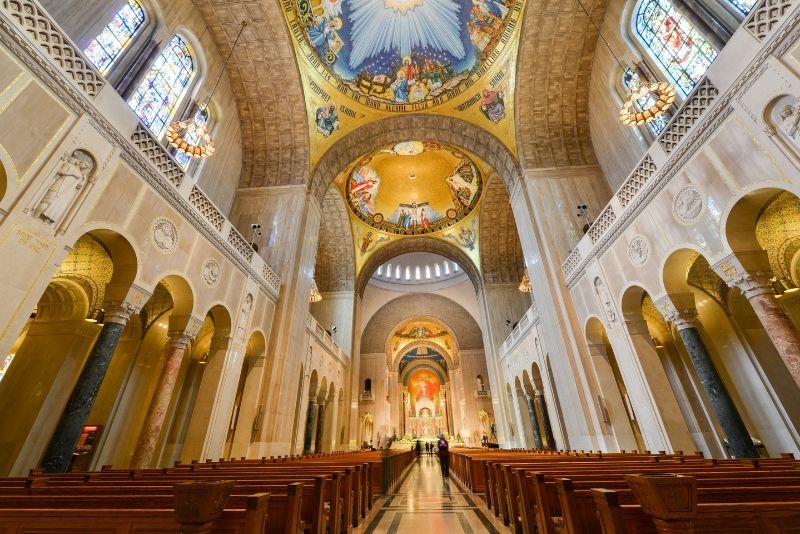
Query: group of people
[[442, 450]]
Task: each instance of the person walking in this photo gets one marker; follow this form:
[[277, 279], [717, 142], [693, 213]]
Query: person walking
[[418, 449], [443, 452]]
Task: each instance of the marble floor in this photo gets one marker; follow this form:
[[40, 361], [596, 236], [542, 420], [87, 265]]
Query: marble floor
[[425, 503]]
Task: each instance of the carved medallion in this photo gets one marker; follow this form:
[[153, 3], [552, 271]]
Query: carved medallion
[[211, 271], [688, 204], [638, 250], [165, 235]]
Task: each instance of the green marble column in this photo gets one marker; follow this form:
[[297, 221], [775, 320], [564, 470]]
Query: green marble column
[[537, 432], [320, 428], [58, 455], [547, 430], [308, 436], [739, 441]]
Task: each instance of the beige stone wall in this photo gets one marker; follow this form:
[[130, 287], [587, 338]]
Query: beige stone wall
[[701, 193], [82, 21], [154, 224]]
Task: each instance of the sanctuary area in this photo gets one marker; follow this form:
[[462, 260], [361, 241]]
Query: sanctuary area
[[367, 266]]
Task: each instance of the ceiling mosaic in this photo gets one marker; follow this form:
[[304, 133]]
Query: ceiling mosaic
[[433, 332], [364, 59], [410, 189]]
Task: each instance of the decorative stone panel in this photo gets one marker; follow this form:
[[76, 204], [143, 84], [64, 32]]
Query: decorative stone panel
[[571, 262], [206, 208], [157, 155], [601, 224], [636, 181], [55, 44], [240, 244], [271, 278], [765, 16], [698, 102]]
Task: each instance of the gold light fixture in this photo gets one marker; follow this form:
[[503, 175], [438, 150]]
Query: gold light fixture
[[525, 283], [662, 95], [191, 136], [315, 295]]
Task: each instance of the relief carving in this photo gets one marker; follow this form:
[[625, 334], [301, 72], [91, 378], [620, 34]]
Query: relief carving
[[638, 250], [688, 204], [74, 172], [604, 297], [165, 235]]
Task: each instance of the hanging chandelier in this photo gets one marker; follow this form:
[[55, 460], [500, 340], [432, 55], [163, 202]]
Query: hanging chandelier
[[659, 96], [191, 136], [315, 295], [652, 99], [525, 283]]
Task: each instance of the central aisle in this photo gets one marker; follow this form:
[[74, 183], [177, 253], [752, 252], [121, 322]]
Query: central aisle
[[424, 503]]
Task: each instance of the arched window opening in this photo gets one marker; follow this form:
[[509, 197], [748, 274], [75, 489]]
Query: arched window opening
[[115, 37], [201, 118], [161, 90], [380, 270], [681, 50], [630, 81], [408, 272], [437, 270], [446, 268], [417, 273], [397, 272], [427, 272], [744, 6]]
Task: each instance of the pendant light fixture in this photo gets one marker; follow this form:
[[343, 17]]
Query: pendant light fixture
[[181, 133], [657, 96]]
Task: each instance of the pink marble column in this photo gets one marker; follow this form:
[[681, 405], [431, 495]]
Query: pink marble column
[[780, 330], [151, 430]]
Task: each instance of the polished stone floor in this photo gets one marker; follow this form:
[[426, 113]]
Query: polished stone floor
[[425, 503]]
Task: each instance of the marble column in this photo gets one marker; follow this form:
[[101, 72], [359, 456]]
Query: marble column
[[308, 435], [320, 427], [547, 429], [739, 441], [758, 291], [537, 431], [174, 350], [58, 455]]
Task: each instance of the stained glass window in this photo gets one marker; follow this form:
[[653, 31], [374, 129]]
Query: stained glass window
[[745, 6], [193, 137], [107, 46], [676, 44], [163, 86], [631, 80]]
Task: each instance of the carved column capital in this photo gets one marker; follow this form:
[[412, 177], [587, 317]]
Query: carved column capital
[[120, 312], [753, 284], [682, 315], [179, 339]]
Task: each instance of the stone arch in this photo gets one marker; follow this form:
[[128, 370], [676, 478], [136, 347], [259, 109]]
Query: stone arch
[[395, 129], [740, 228], [451, 355], [335, 266], [413, 367], [675, 267], [126, 263], [527, 383], [3, 177], [312, 384], [452, 362], [418, 244]]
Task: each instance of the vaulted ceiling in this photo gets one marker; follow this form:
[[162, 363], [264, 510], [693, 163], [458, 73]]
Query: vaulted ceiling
[[552, 81]]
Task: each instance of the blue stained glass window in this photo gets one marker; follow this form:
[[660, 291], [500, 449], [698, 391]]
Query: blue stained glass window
[[682, 50], [107, 46], [160, 91], [630, 80], [201, 119], [745, 6]]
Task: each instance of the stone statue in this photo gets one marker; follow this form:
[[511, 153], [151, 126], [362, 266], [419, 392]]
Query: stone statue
[[605, 299], [244, 314], [70, 178], [790, 120]]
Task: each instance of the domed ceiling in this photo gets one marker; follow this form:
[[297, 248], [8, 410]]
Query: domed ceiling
[[364, 59], [410, 189], [413, 188]]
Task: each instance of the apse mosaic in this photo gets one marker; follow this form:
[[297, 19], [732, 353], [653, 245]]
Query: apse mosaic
[[412, 188], [428, 330], [393, 54]]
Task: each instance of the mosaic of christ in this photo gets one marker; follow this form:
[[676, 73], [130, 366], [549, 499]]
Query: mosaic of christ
[[403, 51], [413, 188], [424, 384]]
